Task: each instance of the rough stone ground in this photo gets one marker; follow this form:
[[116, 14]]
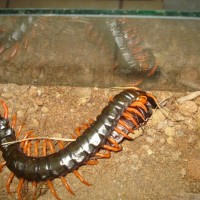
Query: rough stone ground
[[163, 163]]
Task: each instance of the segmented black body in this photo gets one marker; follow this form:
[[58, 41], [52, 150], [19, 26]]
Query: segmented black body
[[80, 151], [133, 55], [16, 34]]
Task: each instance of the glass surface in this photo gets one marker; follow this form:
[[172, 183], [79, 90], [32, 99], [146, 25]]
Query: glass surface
[[104, 48]]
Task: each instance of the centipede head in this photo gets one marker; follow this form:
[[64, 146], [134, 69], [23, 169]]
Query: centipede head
[[152, 100]]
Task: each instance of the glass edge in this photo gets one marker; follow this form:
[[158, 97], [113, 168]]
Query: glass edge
[[96, 12]]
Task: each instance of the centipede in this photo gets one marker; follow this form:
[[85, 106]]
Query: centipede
[[131, 50], [10, 39], [123, 40], [126, 112]]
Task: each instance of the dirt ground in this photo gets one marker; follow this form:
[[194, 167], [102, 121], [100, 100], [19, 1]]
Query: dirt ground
[[163, 163]]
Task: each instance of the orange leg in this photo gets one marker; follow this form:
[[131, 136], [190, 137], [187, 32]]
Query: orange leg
[[124, 124], [34, 184], [2, 165], [5, 107], [130, 117], [28, 150], [21, 181], [26, 43], [123, 133], [143, 99], [14, 120], [91, 162], [44, 148], [49, 183], [2, 49], [139, 104], [61, 144], [9, 181], [103, 155], [134, 110], [79, 130], [36, 148], [24, 144], [19, 130], [111, 98], [152, 71], [66, 185], [14, 51], [113, 142], [77, 174], [110, 148], [115, 148]]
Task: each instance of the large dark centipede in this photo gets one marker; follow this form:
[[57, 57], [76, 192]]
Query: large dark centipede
[[126, 112]]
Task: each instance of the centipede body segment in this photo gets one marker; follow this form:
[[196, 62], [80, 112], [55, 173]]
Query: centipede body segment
[[126, 112]]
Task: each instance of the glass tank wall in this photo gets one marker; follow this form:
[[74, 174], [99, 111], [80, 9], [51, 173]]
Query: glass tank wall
[[105, 48]]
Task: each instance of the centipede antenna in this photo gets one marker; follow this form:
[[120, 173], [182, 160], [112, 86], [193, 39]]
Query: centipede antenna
[[78, 175]]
